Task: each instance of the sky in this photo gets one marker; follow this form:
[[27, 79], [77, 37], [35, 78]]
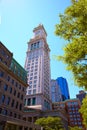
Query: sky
[[18, 18]]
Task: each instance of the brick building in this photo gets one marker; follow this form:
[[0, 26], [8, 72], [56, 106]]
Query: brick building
[[71, 107], [13, 83]]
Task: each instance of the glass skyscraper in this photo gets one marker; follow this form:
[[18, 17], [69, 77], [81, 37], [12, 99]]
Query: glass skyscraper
[[62, 82], [55, 91]]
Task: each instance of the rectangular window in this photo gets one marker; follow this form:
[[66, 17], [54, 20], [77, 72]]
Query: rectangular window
[[29, 101], [35, 73], [12, 81], [31, 74], [16, 105], [29, 91], [16, 84], [35, 77], [5, 87], [20, 107], [30, 82], [8, 101], [1, 74], [0, 59], [10, 89], [12, 104], [32, 47], [35, 81], [3, 98], [34, 86], [31, 78], [8, 78], [34, 91], [34, 101]]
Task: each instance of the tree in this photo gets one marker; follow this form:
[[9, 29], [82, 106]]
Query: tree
[[50, 123], [83, 111], [73, 28], [75, 128]]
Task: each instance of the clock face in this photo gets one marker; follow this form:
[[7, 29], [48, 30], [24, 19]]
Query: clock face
[[38, 32]]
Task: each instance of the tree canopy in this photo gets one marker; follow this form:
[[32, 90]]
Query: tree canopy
[[50, 123], [73, 28], [75, 128], [83, 111]]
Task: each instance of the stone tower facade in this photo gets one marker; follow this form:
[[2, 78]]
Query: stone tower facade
[[37, 65]]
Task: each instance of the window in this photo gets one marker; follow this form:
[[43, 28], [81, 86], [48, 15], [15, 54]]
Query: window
[[14, 92], [35, 69], [35, 73], [29, 91], [31, 78], [12, 104], [30, 86], [3, 98], [18, 95], [20, 107], [34, 91], [1, 74], [12, 81], [23, 89], [0, 59], [36, 66], [7, 57], [35, 81], [5, 112], [30, 82], [5, 87], [29, 101], [10, 113], [31, 74], [0, 110], [32, 47], [3, 52], [36, 62], [15, 115], [16, 84], [19, 86], [16, 105], [33, 101], [35, 77], [10, 89], [8, 101], [8, 78], [37, 44], [32, 70], [34, 86], [22, 97]]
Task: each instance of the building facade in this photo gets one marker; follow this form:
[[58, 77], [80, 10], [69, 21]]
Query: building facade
[[37, 65], [13, 84], [81, 95], [62, 83], [55, 92], [33, 114], [71, 107]]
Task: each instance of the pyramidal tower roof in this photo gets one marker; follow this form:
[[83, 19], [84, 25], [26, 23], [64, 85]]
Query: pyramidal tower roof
[[40, 26]]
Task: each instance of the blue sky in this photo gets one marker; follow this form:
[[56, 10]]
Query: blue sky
[[17, 20]]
